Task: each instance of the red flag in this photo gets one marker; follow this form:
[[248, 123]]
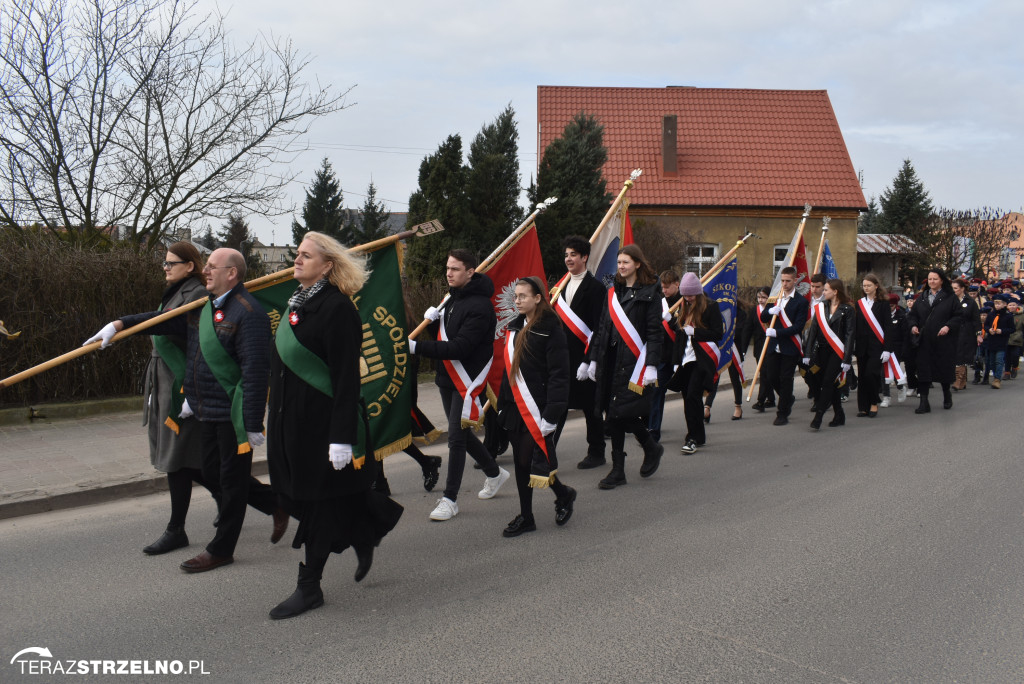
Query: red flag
[[521, 259], [798, 252], [627, 229]]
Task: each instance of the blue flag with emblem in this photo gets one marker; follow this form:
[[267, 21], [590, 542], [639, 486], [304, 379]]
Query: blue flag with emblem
[[828, 264], [722, 290]]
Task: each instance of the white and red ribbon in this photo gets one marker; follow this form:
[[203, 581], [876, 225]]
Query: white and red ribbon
[[865, 309], [632, 339], [796, 338], [469, 388], [573, 322], [833, 340], [738, 364], [893, 371], [528, 408]]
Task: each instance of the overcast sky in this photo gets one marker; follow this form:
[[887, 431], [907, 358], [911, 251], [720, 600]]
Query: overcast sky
[[941, 83]]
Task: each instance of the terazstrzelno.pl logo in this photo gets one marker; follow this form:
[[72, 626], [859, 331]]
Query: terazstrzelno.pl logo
[[40, 661]]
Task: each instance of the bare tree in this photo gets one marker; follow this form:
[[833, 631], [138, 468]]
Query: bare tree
[[140, 114], [971, 241]]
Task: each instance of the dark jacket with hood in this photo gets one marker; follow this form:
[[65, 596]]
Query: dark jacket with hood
[[469, 321], [545, 368]]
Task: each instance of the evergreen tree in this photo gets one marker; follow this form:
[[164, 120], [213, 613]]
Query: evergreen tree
[[493, 182], [906, 207], [869, 221], [206, 239], [236, 235], [322, 210], [571, 171], [372, 222], [440, 195]]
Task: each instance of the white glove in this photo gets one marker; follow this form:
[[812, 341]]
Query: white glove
[[771, 332], [341, 455], [256, 438], [546, 428], [675, 368], [186, 410], [592, 370], [650, 375], [688, 329], [665, 315], [581, 372], [432, 314], [775, 310], [886, 356], [846, 367], [104, 335], [412, 346], [806, 361]]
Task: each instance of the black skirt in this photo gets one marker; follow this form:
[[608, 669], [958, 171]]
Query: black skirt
[[332, 525]]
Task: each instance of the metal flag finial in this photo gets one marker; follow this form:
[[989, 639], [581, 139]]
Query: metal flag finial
[[636, 174], [824, 223], [807, 209]]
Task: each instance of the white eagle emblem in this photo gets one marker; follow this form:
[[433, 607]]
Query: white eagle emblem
[[505, 309]]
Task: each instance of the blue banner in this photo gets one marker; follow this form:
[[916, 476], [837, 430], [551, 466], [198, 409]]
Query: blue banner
[[828, 264], [722, 289]]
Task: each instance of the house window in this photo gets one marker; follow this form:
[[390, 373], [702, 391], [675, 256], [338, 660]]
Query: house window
[[779, 258], [700, 258]]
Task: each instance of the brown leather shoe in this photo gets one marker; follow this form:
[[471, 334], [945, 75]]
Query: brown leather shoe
[[280, 525], [206, 561]]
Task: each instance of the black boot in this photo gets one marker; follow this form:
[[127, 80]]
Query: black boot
[[816, 421], [365, 556], [173, 538], [307, 595], [431, 472], [840, 417], [617, 476], [652, 457], [924, 406], [591, 461], [947, 397]]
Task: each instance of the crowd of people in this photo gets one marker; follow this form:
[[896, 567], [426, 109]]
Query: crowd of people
[[219, 384]]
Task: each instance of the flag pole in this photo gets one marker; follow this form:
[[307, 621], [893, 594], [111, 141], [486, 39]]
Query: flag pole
[[717, 267], [493, 256], [607, 217], [252, 285], [821, 245], [792, 256]]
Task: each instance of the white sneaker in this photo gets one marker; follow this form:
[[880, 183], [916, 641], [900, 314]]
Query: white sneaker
[[885, 402], [904, 393], [446, 509], [493, 484]]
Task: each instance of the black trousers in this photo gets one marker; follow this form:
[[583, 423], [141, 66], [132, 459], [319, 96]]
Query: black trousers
[[460, 441], [230, 473], [780, 369], [829, 394], [523, 447], [595, 431], [869, 384], [694, 378]]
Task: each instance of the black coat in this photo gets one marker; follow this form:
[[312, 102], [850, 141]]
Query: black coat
[[900, 332], [711, 330], [469, 322], [1001, 320], [545, 367], [588, 302], [302, 422], [615, 362], [867, 347], [788, 336], [752, 333], [843, 323], [967, 339], [935, 353]]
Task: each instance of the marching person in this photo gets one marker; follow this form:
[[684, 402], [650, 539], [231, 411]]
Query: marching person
[[670, 291], [935, 318], [700, 328], [226, 378], [970, 335], [830, 345], [579, 306], [316, 418], [784, 347], [813, 380], [533, 400], [465, 345], [873, 344], [754, 335], [900, 348], [735, 371], [998, 327], [622, 361]]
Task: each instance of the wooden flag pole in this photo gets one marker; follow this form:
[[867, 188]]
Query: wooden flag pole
[[493, 256], [821, 245], [252, 285], [717, 267], [604, 222], [760, 361]]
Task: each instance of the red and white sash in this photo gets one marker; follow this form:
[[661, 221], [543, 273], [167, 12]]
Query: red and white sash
[[632, 339], [764, 326], [865, 309], [527, 405], [666, 324], [469, 388], [796, 338], [833, 340], [737, 364], [893, 371], [573, 322]]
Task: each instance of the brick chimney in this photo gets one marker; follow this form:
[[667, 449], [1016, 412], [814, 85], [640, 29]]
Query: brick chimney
[[669, 168]]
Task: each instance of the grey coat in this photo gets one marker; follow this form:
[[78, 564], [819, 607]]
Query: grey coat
[[169, 452]]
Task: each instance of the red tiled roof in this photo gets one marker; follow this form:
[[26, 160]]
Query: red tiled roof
[[735, 147]]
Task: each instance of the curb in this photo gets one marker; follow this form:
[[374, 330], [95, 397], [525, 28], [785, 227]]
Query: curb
[[69, 410]]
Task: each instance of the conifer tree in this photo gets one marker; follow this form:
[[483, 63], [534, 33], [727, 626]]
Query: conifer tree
[[441, 195], [372, 222], [493, 182], [322, 211]]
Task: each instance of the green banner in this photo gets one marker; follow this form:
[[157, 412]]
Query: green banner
[[384, 360]]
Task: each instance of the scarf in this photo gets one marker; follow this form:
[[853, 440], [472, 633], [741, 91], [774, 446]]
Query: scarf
[[304, 293]]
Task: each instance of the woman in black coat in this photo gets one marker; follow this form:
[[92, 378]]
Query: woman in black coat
[[970, 334], [935, 321], [533, 400], [321, 460], [830, 349], [699, 320], [754, 335], [624, 381], [872, 353]]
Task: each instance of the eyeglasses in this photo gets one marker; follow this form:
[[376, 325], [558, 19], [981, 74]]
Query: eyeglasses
[[208, 267], [169, 264]]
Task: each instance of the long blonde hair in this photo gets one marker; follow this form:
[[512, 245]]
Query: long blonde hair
[[348, 269]]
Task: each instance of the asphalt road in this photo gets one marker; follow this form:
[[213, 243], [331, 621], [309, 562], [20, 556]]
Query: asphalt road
[[886, 550]]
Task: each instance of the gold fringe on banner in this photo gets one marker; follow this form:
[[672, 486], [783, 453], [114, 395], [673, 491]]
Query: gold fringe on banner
[[429, 438], [542, 482], [393, 448]]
